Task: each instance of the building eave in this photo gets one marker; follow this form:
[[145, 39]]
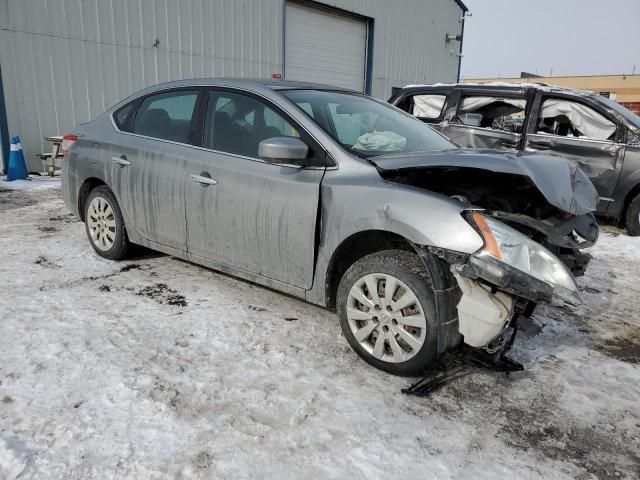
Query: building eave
[[462, 5]]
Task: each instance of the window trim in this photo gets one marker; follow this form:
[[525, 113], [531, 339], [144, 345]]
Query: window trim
[[330, 163]]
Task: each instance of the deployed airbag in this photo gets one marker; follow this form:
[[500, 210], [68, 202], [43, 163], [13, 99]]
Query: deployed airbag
[[471, 104], [380, 142], [428, 106], [589, 122]]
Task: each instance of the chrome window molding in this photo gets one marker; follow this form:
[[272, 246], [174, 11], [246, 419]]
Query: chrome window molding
[[575, 139]]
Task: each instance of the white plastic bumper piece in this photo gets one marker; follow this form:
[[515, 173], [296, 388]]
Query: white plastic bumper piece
[[482, 315]]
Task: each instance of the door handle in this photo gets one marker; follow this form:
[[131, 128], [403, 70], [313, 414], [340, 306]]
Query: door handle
[[204, 181], [121, 161]]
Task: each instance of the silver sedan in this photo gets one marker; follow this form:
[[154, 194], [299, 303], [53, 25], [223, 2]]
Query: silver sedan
[[320, 193]]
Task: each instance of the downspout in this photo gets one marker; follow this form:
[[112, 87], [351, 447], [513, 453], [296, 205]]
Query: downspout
[[369, 64], [460, 51], [4, 129]]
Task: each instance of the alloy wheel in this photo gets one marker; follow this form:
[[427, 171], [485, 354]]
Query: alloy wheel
[[386, 318], [101, 223]]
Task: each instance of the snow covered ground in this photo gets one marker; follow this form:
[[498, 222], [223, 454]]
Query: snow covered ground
[[156, 368]]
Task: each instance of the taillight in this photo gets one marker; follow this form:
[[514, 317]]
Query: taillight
[[68, 141]]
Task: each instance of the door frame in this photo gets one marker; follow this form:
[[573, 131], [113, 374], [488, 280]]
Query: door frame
[[542, 95]]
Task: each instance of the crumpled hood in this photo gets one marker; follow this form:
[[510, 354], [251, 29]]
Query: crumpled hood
[[562, 183]]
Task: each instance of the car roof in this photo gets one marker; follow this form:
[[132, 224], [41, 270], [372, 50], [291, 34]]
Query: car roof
[[252, 85], [499, 87], [247, 83]]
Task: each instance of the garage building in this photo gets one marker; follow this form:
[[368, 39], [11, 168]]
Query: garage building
[[63, 62]]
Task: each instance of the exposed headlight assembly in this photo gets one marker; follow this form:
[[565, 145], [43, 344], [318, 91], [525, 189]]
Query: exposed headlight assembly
[[505, 246]]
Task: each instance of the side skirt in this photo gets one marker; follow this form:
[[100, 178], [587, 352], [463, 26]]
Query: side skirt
[[224, 268]]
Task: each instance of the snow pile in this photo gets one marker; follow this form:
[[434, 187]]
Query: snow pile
[[157, 368], [32, 183]]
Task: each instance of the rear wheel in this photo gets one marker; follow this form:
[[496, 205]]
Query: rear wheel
[[387, 310], [632, 218], [104, 224]]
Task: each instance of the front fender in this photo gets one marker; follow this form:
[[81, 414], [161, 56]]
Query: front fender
[[420, 216], [368, 203]]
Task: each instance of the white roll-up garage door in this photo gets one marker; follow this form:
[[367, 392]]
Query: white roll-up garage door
[[325, 47]]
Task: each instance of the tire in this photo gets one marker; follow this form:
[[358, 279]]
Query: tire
[[422, 319], [104, 224], [632, 216]]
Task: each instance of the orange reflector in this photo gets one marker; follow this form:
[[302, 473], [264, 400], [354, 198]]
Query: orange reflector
[[490, 243]]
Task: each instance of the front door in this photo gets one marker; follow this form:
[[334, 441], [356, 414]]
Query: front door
[[241, 211], [148, 166], [576, 131]]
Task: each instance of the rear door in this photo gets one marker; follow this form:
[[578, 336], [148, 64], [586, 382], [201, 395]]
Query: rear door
[[148, 161], [241, 211], [579, 130]]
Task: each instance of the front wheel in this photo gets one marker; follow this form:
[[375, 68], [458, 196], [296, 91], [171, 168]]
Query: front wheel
[[387, 310], [632, 218]]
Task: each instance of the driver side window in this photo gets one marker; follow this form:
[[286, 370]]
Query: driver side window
[[237, 124]]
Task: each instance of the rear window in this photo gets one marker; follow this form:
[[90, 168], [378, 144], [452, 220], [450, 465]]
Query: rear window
[[166, 116]]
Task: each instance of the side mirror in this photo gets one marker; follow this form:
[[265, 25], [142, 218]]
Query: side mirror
[[282, 150]]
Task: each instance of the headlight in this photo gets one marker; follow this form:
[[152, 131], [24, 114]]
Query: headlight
[[511, 247]]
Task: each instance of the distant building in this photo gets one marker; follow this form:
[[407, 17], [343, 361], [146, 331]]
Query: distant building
[[624, 89]]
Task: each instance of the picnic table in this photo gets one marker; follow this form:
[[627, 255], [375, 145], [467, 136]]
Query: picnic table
[[52, 160]]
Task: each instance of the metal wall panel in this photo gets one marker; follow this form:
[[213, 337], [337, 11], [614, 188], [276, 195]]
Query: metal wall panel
[[66, 61], [409, 43]]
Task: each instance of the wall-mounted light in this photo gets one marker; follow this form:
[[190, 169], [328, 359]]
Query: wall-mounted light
[[450, 37]]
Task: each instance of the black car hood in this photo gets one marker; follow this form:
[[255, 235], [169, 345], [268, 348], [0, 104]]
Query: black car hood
[[562, 183]]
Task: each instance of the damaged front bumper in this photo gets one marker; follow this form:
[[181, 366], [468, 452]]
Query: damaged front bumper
[[493, 295], [505, 278]]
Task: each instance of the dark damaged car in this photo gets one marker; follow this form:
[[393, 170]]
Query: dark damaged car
[[338, 199], [595, 132]]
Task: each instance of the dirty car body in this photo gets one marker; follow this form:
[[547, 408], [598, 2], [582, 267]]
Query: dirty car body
[[594, 132], [324, 194]]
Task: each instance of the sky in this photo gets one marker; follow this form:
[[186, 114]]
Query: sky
[[572, 37]]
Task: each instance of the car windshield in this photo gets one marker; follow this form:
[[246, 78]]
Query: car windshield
[[629, 116], [366, 127]]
